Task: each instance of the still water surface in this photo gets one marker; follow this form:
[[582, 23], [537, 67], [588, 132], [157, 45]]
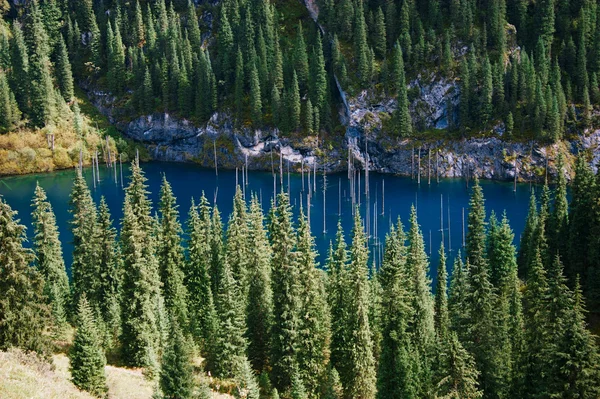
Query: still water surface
[[190, 181]]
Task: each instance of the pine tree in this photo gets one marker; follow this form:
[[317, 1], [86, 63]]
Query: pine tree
[[176, 374], [284, 334], [237, 243], [294, 104], [49, 258], [84, 268], [379, 39], [421, 323], [170, 256], [86, 356], [23, 310], [19, 77], [536, 332], [360, 45], [141, 298], [527, 237], [442, 317], [64, 76], [255, 97], [197, 275], [338, 301], [403, 114], [41, 90], [318, 76], [458, 375], [314, 326], [582, 191], [231, 344], [109, 265], [301, 58], [9, 109], [578, 354], [259, 312], [360, 381], [396, 377]]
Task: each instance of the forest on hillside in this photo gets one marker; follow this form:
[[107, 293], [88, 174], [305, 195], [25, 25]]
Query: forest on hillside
[[248, 296], [531, 67]]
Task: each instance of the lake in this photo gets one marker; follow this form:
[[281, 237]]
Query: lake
[[189, 181]]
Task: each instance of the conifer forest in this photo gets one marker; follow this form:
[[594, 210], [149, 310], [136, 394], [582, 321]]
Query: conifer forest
[[247, 304]]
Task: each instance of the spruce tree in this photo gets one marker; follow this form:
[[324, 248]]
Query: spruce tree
[[286, 301], [84, 268], [301, 58], [457, 300], [231, 343], [170, 256], [314, 329], [360, 380], [396, 376], [217, 252], [19, 77], [176, 374], [197, 275], [582, 205], [41, 90], [441, 315], [294, 104], [237, 243], [255, 96], [141, 297], [457, 375], [318, 76], [9, 109], [559, 220], [337, 265], [86, 356], [361, 48], [64, 76], [404, 120], [379, 39], [109, 265], [259, 311], [421, 322], [24, 314], [49, 258], [527, 237]]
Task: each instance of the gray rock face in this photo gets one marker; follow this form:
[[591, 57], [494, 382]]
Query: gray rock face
[[171, 139]]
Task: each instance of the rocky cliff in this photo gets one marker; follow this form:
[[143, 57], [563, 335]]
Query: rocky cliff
[[170, 139]]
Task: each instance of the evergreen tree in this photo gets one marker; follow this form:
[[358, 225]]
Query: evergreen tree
[[527, 237], [141, 302], [255, 96], [237, 243], [9, 109], [360, 380], [109, 265], [49, 258], [41, 90], [301, 58], [318, 76], [379, 39], [403, 114], [338, 295], [86, 356], [421, 323], [458, 375], [197, 276], [582, 191], [231, 344], [314, 328], [64, 76], [19, 57], [259, 312], [396, 377], [24, 314], [84, 268], [294, 104], [176, 374], [170, 256], [361, 48], [286, 301], [442, 317], [559, 220]]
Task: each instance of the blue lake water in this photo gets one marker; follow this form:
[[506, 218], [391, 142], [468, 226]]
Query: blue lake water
[[189, 181]]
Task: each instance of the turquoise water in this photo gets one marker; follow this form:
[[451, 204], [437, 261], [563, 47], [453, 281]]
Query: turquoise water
[[189, 181]]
